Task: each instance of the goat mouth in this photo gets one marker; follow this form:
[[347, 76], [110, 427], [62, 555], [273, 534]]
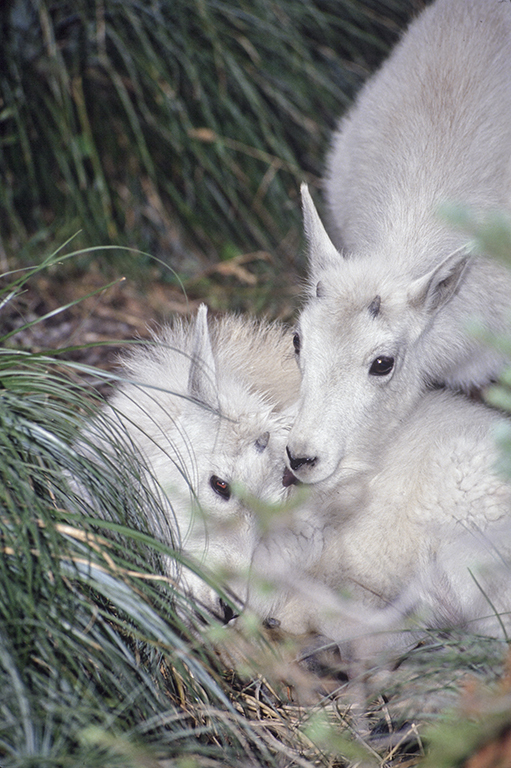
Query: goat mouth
[[289, 479]]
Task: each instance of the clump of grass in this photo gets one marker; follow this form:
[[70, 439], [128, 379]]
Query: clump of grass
[[99, 661], [179, 128]]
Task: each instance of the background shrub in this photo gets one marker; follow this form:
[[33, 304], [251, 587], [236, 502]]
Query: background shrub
[[180, 127]]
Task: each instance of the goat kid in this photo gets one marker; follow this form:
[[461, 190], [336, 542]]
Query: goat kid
[[206, 408]]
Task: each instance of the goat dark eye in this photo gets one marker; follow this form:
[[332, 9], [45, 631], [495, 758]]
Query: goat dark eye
[[296, 343], [221, 487], [381, 366]]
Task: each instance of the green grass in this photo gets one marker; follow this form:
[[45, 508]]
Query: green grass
[[180, 128], [97, 660]]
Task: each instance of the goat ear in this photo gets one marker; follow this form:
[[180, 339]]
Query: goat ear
[[202, 379], [433, 290], [322, 252]]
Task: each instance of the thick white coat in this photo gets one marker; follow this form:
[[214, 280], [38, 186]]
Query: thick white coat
[[203, 405], [397, 536], [424, 530], [433, 125]]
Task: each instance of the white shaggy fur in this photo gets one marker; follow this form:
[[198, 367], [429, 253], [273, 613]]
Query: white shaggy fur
[[397, 534], [423, 529], [206, 407], [434, 124]]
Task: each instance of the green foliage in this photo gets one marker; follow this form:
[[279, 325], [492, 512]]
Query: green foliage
[[177, 127], [99, 661]]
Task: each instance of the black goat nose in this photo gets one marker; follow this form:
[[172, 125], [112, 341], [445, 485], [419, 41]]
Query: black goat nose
[[299, 462]]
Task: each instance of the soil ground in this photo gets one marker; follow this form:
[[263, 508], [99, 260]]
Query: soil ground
[[49, 314]]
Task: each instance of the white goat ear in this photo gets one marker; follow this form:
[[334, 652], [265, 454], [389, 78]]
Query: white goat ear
[[322, 252], [202, 380], [433, 290]]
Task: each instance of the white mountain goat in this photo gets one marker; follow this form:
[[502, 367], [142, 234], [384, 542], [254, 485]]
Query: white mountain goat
[[206, 409], [391, 298], [422, 527], [209, 409]]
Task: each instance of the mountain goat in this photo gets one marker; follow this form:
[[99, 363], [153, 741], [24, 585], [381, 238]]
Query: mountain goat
[[422, 526], [391, 297], [209, 406], [206, 408]]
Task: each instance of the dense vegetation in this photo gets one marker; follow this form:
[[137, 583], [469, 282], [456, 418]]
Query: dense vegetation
[[180, 128]]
